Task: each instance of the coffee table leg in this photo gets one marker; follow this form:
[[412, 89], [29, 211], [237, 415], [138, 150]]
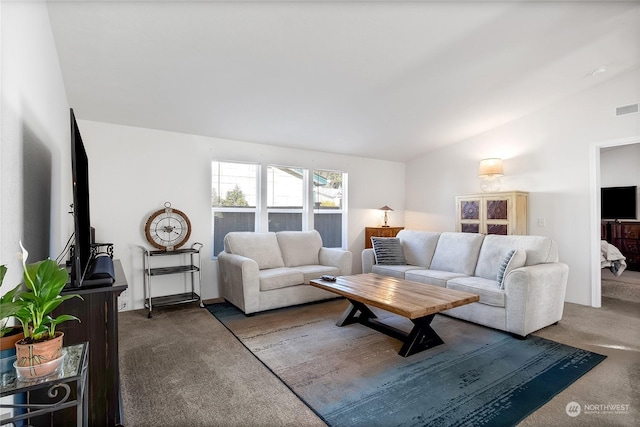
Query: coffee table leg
[[421, 337], [349, 315]]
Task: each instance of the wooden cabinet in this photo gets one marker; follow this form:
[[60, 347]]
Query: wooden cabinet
[[626, 237], [492, 213], [370, 232], [98, 312]]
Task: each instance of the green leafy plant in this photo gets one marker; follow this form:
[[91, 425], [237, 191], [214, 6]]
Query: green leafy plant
[[8, 308], [44, 281]]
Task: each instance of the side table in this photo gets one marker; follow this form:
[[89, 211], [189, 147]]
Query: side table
[[381, 231], [66, 388]]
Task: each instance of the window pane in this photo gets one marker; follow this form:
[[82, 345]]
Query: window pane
[[284, 187], [279, 221], [327, 198], [234, 189], [233, 184], [327, 190], [329, 225], [225, 222]]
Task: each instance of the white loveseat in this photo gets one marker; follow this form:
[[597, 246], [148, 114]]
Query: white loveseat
[[262, 271], [533, 289]]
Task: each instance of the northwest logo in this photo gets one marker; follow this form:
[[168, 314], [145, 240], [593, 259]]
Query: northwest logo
[[573, 409]]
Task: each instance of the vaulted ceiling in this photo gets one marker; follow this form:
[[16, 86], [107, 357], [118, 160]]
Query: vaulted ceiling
[[389, 80]]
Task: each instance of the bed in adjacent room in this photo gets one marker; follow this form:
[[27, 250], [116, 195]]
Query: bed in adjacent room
[[612, 258]]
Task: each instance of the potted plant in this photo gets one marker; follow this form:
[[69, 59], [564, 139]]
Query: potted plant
[[8, 308], [42, 344]]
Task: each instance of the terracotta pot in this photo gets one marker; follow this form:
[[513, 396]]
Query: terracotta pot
[[8, 341], [38, 355]]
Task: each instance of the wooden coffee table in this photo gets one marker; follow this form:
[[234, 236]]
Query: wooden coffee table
[[415, 301]]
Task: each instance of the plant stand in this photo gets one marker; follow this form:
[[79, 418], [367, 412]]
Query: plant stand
[[66, 389]]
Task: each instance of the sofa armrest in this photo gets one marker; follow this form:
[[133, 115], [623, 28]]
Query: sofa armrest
[[535, 296], [338, 258], [368, 260], [239, 281]]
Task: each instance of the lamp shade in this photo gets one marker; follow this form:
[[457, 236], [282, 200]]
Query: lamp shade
[[385, 208], [490, 167]]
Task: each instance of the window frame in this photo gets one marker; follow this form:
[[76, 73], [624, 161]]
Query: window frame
[[261, 211]]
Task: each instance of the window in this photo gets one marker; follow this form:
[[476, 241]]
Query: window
[[285, 198], [328, 204], [234, 199], [291, 199]]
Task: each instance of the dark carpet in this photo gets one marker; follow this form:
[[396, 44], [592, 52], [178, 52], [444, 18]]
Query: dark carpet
[[353, 376]]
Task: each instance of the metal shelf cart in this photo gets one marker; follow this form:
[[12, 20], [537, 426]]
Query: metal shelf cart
[[192, 269]]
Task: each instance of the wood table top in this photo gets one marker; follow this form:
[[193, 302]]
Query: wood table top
[[408, 299]]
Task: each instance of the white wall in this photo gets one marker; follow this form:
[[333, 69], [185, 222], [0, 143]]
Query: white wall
[[546, 154], [620, 166], [35, 171], [133, 171]]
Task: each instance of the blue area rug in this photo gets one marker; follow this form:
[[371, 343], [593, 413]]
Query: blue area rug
[[353, 376]]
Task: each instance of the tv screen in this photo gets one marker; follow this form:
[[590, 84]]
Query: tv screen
[[87, 269], [619, 202], [81, 216]]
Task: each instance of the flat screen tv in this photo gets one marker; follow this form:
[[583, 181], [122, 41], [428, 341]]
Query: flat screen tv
[[86, 270], [619, 203]]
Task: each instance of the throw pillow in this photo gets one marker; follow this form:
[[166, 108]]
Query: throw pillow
[[515, 258], [388, 251]]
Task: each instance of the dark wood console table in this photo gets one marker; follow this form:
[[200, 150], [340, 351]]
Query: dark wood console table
[[626, 237], [98, 312]]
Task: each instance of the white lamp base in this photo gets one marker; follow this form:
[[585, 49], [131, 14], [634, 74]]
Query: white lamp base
[[490, 184]]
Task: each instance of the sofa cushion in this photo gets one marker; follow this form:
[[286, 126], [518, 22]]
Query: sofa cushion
[[263, 248], [488, 290], [457, 253], [300, 247], [278, 278], [515, 258], [388, 251], [397, 271], [418, 246], [310, 272], [432, 277], [538, 249]]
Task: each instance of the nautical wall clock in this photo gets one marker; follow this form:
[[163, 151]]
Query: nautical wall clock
[[167, 229]]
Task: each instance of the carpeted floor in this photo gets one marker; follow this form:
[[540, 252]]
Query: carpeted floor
[[184, 368], [624, 287]]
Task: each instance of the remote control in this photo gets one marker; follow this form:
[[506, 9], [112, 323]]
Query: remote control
[[329, 278]]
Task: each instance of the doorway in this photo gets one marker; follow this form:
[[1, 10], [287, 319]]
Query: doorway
[[596, 273]]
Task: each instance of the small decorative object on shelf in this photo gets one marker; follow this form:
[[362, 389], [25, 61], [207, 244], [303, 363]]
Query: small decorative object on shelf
[[100, 249], [167, 229], [192, 268]]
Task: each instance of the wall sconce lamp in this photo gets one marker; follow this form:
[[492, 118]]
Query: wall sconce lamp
[[386, 210], [490, 171]]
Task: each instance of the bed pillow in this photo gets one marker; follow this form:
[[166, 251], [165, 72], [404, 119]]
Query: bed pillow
[[515, 258], [388, 251]]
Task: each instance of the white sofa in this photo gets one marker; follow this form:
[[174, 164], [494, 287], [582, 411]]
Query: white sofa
[[534, 286], [262, 271]]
